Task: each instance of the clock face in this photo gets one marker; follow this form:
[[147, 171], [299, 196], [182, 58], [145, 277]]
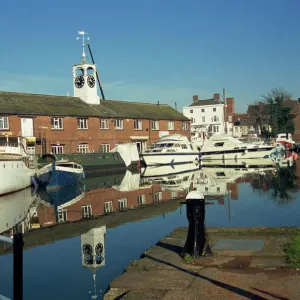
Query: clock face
[[91, 81], [79, 81], [87, 249]]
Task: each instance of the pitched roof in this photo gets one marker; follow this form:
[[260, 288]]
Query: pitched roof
[[255, 109], [206, 102], [50, 105], [137, 110]]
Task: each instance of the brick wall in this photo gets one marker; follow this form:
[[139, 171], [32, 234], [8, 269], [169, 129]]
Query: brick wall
[[70, 136], [97, 198]]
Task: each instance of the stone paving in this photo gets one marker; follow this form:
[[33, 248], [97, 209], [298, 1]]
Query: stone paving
[[237, 273]]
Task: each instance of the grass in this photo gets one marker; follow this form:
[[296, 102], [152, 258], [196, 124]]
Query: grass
[[188, 259], [292, 251]]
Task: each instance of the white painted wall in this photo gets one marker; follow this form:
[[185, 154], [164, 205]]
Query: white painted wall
[[207, 115]]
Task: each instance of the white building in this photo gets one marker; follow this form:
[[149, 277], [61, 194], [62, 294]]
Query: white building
[[210, 116]]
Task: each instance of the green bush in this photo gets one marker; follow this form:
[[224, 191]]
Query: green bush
[[292, 251]]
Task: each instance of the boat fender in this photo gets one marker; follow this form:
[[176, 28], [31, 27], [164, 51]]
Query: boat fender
[[83, 175], [246, 151], [34, 182]]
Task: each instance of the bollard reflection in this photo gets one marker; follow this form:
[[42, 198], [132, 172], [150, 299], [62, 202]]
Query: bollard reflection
[[197, 242]]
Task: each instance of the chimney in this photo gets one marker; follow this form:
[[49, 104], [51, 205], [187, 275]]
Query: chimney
[[216, 96], [230, 106], [195, 98]]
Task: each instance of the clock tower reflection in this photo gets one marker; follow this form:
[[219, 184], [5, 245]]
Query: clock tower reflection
[[93, 252]]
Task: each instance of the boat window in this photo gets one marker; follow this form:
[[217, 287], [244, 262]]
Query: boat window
[[171, 150], [243, 147], [220, 174], [184, 146], [236, 148], [156, 150], [176, 145], [219, 144]]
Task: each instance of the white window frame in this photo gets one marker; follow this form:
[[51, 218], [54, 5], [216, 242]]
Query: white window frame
[[108, 207], [105, 148], [83, 148], [62, 215], [154, 125], [104, 124], [203, 119], [119, 124], [191, 111], [83, 123], [141, 199], [184, 125], [171, 125], [4, 123], [138, 124], [158, 197], [58, 149], [214, 109], [86, 211], [202, 110], [174, 195], [57, 123], [122, 203]]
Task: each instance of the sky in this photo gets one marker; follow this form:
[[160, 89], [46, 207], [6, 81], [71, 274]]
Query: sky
[[154, 50]]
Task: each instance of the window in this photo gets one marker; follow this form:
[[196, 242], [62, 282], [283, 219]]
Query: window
[[184, 125], [57, 149], [171, 125], [215, 119], [104, 124], [119, 124], [57, 123], [173, 195], [155, 125], [4, 123], [83, 148], [218, 144], [141, 199], [108, 207], [122, 203], [191, 111], [158, 197], [203, 119], [86, 211], [105, 147], [62, 215], [138, 125], [229, 118], [214, 109], [184, 146], [202, 110], [82, 123], [215, 128]]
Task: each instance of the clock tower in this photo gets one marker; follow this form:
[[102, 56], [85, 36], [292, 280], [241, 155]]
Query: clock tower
[[84, 78]]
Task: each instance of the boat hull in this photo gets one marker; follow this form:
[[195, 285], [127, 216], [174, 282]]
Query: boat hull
[[257, 153], [14, 175], [160, 159], [56, 177]]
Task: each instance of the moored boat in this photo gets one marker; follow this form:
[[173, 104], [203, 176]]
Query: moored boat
[[226, 147], [170, 150], [16, 167], [59, 174]]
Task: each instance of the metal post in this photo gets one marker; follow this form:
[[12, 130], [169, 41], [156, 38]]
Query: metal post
[[18, 266], [197, 244]]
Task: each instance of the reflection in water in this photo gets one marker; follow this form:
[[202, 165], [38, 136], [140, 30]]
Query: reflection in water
[[102, 204]]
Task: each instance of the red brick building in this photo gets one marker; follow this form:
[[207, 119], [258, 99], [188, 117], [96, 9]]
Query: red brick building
[[84, 123]]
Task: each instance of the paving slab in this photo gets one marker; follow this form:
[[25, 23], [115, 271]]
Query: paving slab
[[239, 244], [153, 279], [145, 294], [268, 262]]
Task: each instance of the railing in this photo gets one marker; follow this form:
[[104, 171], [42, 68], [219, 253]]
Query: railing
[[17, 242]]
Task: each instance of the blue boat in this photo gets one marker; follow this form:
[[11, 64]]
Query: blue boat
[[60, 174]]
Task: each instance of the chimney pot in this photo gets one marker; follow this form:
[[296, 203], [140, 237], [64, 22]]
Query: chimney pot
[[195, 98], [217, 96]]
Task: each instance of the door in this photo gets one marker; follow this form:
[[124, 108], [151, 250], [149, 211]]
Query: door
[[27, 127]]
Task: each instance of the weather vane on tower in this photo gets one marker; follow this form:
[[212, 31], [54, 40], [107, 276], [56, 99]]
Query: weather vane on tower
[[83, 38]]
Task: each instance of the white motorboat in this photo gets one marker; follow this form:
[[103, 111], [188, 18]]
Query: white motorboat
[[226, 147], [16, 167], [170, 150]]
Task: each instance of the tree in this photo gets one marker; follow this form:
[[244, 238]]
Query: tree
[[281, 120]]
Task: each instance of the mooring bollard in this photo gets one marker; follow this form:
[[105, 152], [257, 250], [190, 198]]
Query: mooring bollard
[[18, 244], [197, 244]]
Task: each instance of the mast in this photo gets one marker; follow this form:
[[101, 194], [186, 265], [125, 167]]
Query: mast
[[225, 111], [98, 79]]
